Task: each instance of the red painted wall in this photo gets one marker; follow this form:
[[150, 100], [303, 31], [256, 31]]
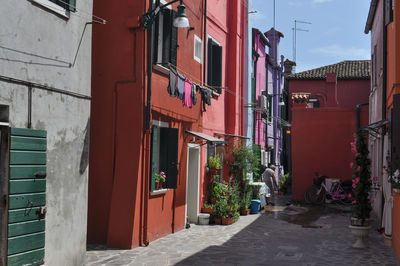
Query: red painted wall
[[321, 143], [395, 223], [321, 136], [121, 210], [117, 82]]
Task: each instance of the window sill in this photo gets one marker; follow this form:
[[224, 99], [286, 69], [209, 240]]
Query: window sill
[[53, 7], [158, 192], [161, 69]]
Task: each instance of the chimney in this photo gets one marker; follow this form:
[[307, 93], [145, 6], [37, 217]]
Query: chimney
[[331, 87], [288, 65], [274, 38]]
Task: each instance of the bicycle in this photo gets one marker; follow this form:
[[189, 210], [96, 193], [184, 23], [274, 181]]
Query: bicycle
[[338, 192]]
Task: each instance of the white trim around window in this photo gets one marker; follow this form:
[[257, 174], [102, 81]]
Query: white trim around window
[[53, 7], [197, 49]]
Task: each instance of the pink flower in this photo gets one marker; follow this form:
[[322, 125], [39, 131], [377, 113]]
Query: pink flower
[[351, 165], [354, 202], [163, 174], [349, 196], [375, 179], [372, 200], [354, 185], [358, 169], [357, 180]]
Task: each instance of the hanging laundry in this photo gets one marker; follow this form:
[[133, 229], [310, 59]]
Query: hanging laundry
[[187, 101], [172, 82], [194, 94], [180, 85], [206, 96]]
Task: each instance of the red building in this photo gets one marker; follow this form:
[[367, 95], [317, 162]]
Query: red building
[[140, 126], [325, 113]]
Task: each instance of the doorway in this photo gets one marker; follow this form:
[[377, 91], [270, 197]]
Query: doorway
[[193, 183]]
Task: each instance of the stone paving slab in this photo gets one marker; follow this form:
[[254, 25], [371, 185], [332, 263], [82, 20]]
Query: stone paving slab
[[299, 235]]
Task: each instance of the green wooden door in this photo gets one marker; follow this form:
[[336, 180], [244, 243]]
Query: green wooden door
[[26, 197]]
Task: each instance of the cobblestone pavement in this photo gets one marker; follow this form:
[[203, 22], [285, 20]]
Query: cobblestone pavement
[[293, 235]]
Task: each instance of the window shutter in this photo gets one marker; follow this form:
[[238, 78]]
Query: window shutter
[[209, 63], [154, 155], [388, 11], [167, 31], [72, 5], [396, 132], [217, 66], [171, 135], [269, 108], [174, 40]]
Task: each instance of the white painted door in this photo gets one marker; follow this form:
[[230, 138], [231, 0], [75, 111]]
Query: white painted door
[[193, 183]]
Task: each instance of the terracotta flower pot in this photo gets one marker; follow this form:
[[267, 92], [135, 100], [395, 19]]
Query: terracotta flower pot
[[228, 221], [158, 185], [217, 220], [245, 212], [207, 210]]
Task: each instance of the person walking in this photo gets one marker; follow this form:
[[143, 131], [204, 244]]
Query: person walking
[[269, 178]]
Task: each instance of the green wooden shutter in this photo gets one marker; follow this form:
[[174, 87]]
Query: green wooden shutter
[[174, 41], [209, 63], [283, 110], [27, 193], [154, 155], [395, 127], [171, 135], [72, 5], [269, 108], [217, 66], [167, 25]]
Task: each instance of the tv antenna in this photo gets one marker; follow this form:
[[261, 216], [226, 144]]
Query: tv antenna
[[295, 30]]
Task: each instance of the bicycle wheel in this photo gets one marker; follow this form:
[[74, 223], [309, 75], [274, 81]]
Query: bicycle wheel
[[311, 195]]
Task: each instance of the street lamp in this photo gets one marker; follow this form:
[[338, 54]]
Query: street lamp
[[181, 20]]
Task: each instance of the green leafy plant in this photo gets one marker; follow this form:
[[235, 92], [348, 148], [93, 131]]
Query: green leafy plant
[[285, 183], [214, 162], [242, 158], [160, 177], [361, 178], [220, 208]]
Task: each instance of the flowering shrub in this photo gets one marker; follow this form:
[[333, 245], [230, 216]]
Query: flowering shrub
[[361, 178], [160, 177]]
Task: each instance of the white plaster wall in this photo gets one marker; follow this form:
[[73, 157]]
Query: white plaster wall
[[32, 29]]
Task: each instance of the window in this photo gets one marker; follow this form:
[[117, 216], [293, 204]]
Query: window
[[216, 149], [198, 44], [214, 64], [270, 108], [388, 11], [166, 43], [62, 7], [164, 155]]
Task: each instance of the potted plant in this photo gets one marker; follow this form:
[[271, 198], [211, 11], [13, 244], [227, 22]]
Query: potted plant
[[214, 164], [245, 200], [220, 210], [215, 191], [208, 208], [362, 185], [232, 206], [159, 179]]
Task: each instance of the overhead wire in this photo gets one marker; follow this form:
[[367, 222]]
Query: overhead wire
[[61, 9]]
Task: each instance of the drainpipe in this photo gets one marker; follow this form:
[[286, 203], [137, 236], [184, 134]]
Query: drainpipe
[[358, 111], [146, 138], [205, 42]]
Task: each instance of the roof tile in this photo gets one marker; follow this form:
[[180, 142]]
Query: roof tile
[[355, 69]]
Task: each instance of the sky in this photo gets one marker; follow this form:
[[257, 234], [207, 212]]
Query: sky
[[336, 32]]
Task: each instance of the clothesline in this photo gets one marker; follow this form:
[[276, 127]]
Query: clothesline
[[198, 81]]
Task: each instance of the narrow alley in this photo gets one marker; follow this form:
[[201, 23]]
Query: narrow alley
[[278, 236]]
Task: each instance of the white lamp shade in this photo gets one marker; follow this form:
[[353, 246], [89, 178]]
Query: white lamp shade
[[181, 22]]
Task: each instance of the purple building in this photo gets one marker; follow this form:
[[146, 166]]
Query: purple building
[[265, 97]]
